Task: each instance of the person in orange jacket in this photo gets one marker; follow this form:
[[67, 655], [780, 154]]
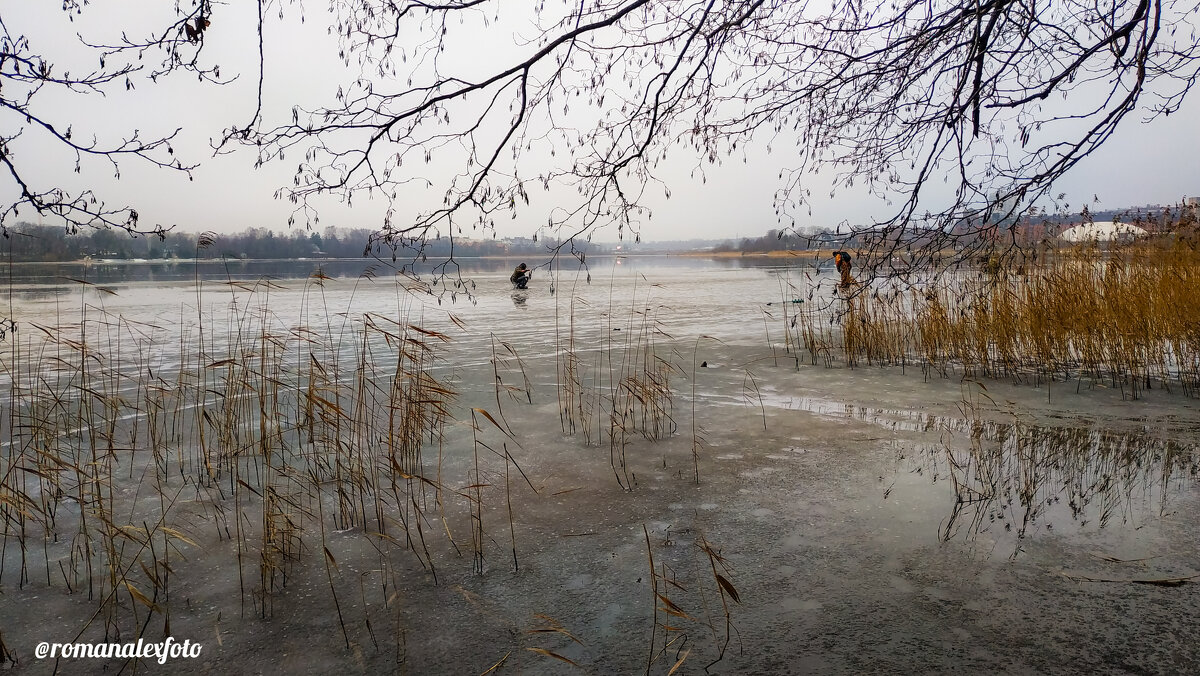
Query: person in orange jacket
[[841, 260]]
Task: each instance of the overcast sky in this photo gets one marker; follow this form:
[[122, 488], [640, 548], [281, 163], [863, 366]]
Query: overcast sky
[[1142, 163]]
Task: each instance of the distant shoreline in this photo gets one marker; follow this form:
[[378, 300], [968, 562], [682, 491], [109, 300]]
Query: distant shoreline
[[805, 254]]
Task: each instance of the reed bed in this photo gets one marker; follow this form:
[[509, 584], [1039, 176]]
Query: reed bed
[[270, 439], [626, 384], [1128, 315], [273, 443], [641, 400]]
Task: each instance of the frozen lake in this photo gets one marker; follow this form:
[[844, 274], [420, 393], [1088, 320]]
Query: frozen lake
[[635, 472]]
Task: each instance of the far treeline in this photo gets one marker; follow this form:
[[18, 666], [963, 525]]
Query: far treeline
[[31, 242], [1029, 228]]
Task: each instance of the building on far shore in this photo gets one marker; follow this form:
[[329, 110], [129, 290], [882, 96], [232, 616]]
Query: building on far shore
[[1103, 232]]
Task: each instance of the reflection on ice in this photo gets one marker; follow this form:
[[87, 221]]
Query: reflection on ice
[[1022, 476], [1010, 475]]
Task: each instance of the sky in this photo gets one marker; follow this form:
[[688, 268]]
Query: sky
[[1156, 163]]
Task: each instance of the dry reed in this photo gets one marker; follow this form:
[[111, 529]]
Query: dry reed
[[122, 450], [1128, 315]]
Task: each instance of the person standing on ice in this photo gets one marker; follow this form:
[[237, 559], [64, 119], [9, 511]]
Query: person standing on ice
[[841, 260]]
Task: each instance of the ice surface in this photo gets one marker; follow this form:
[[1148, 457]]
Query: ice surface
[[869, 519]]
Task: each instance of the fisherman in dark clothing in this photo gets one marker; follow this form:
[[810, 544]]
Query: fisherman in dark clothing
[[520, 276], [841, 260]]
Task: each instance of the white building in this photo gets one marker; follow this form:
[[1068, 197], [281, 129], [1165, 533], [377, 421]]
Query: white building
[[1102, 232]]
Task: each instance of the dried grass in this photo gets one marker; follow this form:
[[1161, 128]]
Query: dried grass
[[1127, 315]]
